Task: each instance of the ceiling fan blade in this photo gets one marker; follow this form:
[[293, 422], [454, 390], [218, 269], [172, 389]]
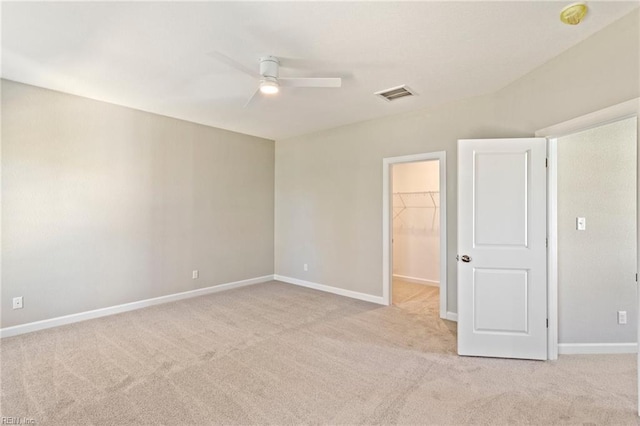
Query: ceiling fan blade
[[310, 82], [251, 98], [233, 63]]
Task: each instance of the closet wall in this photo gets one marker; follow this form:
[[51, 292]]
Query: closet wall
[[416, 218]]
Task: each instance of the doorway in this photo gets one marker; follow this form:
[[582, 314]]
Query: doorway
[[577, 125], [593, 238], [605, 333], [414, 232], [416, 236], [596, 221]]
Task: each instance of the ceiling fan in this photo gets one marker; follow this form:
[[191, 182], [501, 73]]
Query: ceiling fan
[[269, 80]]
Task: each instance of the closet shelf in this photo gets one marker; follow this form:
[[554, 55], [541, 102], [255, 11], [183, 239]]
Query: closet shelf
[[415, 200]]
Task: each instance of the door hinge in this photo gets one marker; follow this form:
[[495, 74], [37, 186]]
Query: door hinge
[[546, 162], [547, 322], [546, 242], [636, 277]]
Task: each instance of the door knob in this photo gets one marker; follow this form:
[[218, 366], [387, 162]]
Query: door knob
[[465, 258]]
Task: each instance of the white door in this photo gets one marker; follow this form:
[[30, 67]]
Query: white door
[[502, 267]]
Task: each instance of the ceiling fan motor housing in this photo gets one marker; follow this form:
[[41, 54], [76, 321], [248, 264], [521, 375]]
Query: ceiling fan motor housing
[[269, 67]]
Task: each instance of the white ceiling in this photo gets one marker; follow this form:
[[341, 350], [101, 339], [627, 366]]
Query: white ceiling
[[154, 56]]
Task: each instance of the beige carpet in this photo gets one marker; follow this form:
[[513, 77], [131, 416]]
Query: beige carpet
[[280, 354]]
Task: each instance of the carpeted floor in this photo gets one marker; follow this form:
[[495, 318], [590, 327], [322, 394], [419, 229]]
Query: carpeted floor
[[281, 354]]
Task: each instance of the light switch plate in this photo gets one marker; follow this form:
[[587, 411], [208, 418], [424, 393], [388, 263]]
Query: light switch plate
[[581, 223]]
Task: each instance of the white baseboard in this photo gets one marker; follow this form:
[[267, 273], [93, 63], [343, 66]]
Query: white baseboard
[[416, 280], [597, 348], [329, 289], [112, 310], [452, 316]]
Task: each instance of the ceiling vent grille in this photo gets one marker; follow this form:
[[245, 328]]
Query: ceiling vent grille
[[395, 93]]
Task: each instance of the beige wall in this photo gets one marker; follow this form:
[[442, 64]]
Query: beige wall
[[329, 184], [103, 205], [329, 192], [597, 266], [416, 222]]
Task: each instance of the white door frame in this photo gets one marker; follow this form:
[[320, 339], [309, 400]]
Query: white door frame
[[387, 223], [598, 118]]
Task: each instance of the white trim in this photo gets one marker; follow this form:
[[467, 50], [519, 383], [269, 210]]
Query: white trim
[[387, 231], [552, 252], [417, 280], [329, 289], [126, 307], [598, 118], [578, 124], [597, 348], [452, 316]]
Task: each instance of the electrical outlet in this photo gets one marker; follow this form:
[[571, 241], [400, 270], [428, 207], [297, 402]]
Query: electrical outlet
[[622, 317], [195, 274], [305, 267], [17, 302]]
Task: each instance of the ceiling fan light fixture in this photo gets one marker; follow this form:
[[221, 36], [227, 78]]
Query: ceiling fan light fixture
[[269, 87], [268, 81], [574, 13]]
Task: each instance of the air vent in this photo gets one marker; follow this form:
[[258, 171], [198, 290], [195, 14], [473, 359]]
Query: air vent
[[395, 93]]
